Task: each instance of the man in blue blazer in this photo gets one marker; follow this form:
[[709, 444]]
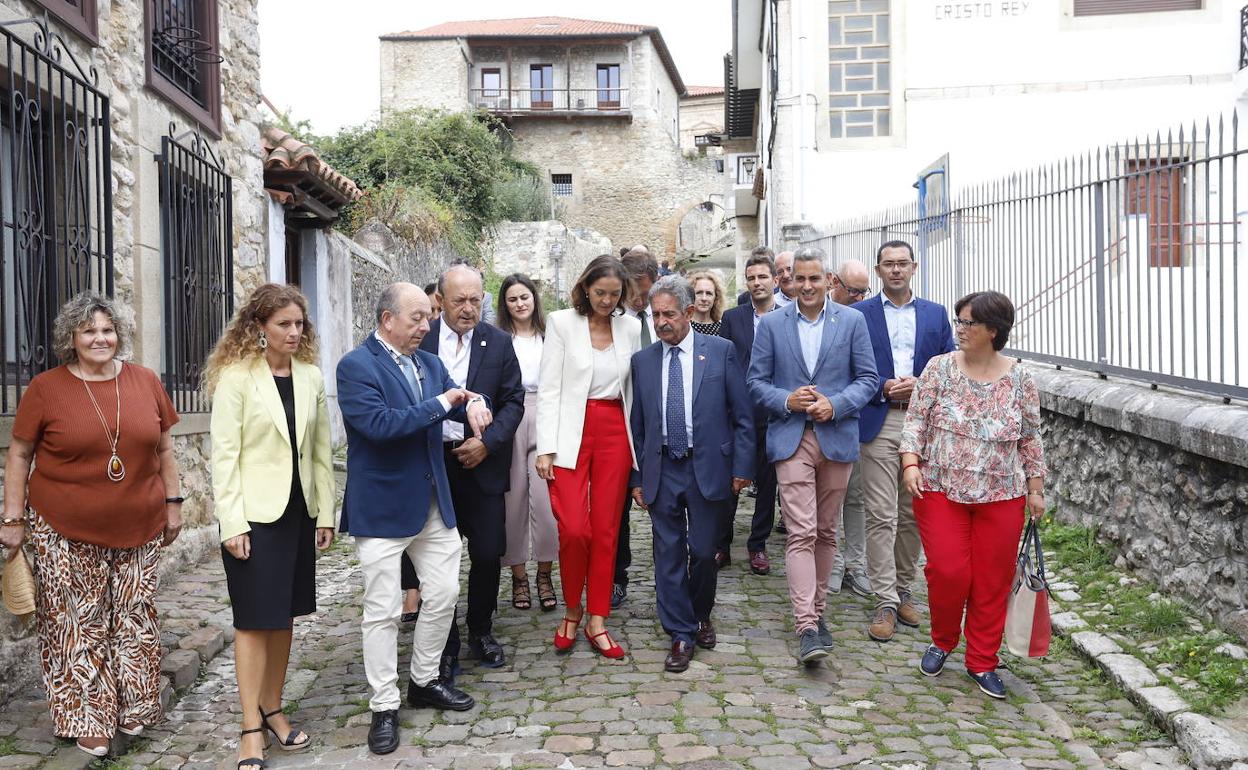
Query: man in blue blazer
[[737, 326], [906, 332], [693, 429], [812, 370], [393, 400]]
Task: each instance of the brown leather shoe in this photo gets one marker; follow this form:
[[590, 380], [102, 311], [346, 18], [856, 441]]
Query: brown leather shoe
[[678, 659], [759, 563], [722, 559], [706, 635], [884, 625], [908, 611]]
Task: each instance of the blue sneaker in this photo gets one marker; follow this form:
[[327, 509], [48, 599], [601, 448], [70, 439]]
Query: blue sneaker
[[933, 661], [989, 683]]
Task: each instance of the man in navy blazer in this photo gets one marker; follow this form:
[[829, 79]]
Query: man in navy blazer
[[481, 358], [906, 332], [393, 400], [737, 326], [693, 429], [812, 370]]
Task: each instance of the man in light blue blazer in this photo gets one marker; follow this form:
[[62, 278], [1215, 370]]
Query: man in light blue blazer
[[812, 370], [393, 399], [693, 427]]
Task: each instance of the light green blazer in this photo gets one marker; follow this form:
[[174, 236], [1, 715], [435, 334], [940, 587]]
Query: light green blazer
[[251, 449]]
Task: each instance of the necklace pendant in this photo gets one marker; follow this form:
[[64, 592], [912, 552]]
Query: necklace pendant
[[116, 469]]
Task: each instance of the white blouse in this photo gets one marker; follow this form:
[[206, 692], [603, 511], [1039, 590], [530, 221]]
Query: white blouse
[[529, 354], [605, 384]]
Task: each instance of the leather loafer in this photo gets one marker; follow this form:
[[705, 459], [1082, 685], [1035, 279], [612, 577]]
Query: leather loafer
[[383, 735], [448, 669], [722, 559], [439, 695], [619, 595], [759, 564], [678, 659], [706, 635], [487, 649]]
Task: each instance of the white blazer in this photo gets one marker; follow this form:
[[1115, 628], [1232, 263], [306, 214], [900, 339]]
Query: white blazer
[[566, 372]]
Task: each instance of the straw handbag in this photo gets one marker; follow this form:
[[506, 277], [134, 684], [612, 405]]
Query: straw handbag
[[17, 585]]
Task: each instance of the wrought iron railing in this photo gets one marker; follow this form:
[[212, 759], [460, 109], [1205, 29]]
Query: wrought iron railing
[[197, 241], [1127, 260], [586, 100], [55, 195]]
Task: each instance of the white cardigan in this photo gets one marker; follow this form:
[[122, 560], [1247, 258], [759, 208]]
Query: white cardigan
[[563, 388]]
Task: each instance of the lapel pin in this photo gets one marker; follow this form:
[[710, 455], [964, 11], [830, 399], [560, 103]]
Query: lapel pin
[[482, 343], [701, 358]]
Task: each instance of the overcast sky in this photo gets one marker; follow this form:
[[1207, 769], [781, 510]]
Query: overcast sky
[[319, 58]]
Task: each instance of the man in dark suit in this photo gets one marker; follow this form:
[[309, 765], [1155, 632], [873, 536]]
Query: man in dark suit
[[693, 462], [759, 251], [398, 500], [481, 358], [905, 332], [737, 327]]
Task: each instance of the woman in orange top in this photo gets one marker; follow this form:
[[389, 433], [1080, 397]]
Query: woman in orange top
[[103, 501]]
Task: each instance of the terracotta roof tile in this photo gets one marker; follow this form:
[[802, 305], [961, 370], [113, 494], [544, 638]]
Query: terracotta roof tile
[[704, 90], [283, 152]]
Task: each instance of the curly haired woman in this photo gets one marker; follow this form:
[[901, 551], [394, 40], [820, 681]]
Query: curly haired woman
[[272, 476]]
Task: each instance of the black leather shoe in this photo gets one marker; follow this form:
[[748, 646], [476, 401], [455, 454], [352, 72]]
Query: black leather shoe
[[706, 635], [678, 659], [619, 594], [383, 736], [438, 695], [487, 649], [448, 669]]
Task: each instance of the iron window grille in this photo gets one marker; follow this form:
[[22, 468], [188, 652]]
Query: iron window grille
[[561, 185], [183, 61], [197, 243], [55, 196]]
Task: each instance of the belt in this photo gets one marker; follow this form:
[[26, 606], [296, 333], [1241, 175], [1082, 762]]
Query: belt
[[902, 405], [449, 445]]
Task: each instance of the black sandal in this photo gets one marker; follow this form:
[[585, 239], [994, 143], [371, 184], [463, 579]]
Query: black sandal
[[252, 761], [288, 743], [521, 598], [546, 591]]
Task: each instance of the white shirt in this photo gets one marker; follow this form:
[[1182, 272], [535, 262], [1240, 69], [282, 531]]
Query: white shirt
[[901, 330], [647, 318], [529, 354], [782, 299], [605, 384], [810, 337], [757, 317], [455, 353], [686, 378], [395, 356]]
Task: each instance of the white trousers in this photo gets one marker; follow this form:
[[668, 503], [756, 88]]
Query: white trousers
[[435, 554]]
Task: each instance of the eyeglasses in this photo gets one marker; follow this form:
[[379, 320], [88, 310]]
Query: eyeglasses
[[850, 290], [890, 267], [961, 324]]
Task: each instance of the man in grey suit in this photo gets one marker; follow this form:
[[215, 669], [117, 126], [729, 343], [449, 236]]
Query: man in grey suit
[[812, 369]]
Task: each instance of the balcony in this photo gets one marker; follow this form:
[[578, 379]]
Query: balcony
[[562, 102]]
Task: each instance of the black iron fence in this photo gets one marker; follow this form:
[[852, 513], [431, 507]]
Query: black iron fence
[[588, 100], [1126, 260], [55, 195], [196, 218]]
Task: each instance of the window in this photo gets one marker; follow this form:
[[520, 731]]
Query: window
[[1154, 195], [197, 247], [1110, 7], [78, 15], [608, 86], [491, 82], [56, 206], [183, 60], [859, 69], [541, 86], [561, 185]]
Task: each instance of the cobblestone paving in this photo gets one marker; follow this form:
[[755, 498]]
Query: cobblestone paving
[[745, 704]]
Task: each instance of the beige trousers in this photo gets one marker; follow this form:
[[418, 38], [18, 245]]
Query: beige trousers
[[529, 518], [893, 544]]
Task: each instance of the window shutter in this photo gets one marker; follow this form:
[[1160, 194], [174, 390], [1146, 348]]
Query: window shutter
[[1108, 7]]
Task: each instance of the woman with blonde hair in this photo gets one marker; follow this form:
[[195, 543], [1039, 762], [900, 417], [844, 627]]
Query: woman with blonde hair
[[272, 476], [100, 504], [708, 301]]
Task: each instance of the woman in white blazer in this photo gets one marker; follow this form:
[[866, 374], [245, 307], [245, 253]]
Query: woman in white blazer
[[584, 446], [273, 483]]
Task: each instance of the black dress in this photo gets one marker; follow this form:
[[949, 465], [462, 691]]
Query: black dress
[[278, 582], [711, 328]]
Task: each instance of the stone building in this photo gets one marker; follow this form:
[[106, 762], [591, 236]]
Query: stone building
[[595, 105], [701, 115]]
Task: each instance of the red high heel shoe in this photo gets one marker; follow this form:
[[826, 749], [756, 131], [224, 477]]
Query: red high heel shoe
[[615, 651], [564, 643]]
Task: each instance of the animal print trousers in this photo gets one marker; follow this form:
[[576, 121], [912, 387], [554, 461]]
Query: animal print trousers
[[99, 639]]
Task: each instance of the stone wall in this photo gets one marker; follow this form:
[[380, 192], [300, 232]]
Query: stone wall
[[701, 115], [1163, 478], [431, 74], [551, 253], [393, 260]]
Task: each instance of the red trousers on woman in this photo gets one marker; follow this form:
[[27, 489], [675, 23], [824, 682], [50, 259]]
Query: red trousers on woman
[[971, 553], [586, 501]]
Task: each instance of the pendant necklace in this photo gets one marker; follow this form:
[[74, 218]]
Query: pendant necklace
[[116, 469]]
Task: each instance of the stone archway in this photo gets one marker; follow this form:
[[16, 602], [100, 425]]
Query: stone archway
[[698, 231]]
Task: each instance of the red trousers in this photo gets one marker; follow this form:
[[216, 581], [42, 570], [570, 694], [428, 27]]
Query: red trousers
[[586, 501], [971, 552]]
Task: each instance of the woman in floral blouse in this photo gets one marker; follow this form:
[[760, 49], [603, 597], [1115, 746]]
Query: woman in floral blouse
[[971, 457]]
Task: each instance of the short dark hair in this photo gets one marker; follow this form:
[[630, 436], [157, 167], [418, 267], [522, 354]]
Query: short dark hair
[[599, 267], [503, 317], [763, 251], [994, 310], [640, 264], [757, 258], [431, 287], [894, 245], [624, 250]]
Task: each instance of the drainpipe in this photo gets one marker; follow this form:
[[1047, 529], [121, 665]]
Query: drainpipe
[[797, 18]]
